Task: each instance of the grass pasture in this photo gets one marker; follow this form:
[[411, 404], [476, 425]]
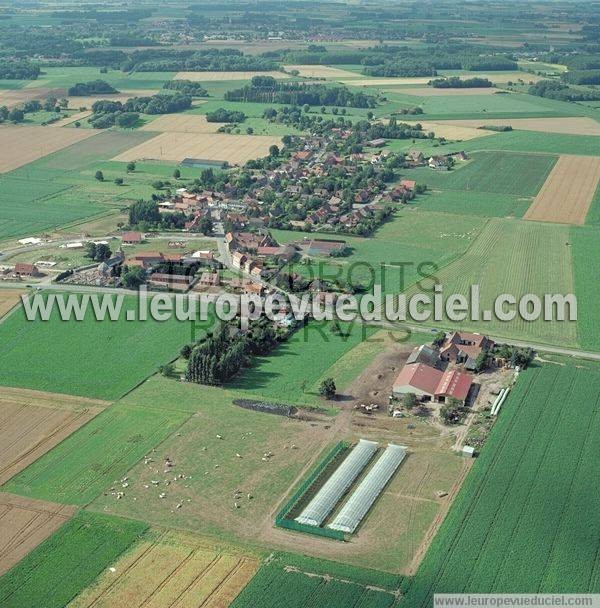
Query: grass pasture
[[219, 76], [96, 456], [67, 562], [219, 147], [170, 569], [483, 204], [494, 172], [311, 352], [99, 359], [527, 518], [212, 471], [567, 194]]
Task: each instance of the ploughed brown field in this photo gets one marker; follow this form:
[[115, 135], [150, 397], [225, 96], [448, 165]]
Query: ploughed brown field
[[235, 149], [22, 145], [33, 422], [24, 524], [568, 191], [8, 299]]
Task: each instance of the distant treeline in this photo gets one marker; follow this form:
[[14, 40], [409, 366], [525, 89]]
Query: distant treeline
[[94, 87], [553, 89], [18, 70], [456, 83], [266, 89], [187, 87], [108, 113], [391, 60]]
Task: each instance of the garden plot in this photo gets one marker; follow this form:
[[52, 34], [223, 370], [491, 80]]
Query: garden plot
[[170, 569], [215, 147], [24, 524], [33, 422], [22, 145], [567, 193], [182, 123]]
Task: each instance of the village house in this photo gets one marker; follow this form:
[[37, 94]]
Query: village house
[[432, 384], [409, 184], [440, 163], [175, 282], [132, 238], [209, 279], [415, 156], [26, 270], [238, 259], [464, 348]]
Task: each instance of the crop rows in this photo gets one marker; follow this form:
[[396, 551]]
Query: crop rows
[[529, 513]]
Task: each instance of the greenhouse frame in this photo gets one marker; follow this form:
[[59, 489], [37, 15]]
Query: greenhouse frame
[[362, 499], [341, 479]]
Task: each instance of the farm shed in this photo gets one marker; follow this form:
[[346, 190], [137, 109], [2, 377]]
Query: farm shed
[[342, 478], [468, 451], [366, 494], [430, 383]]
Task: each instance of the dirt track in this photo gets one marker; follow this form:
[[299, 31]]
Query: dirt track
[[24, 524], [567, 193]]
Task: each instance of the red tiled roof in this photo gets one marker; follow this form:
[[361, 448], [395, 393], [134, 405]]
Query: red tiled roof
[[454, 384], [420, 376]]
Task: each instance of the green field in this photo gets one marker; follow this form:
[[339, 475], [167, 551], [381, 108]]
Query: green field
[[88, 358], [32, 206], [468, 202], [586, 269], [306, 582], [310, 352], [518, 258], [204, 450], [527, 519], [393, 255], [493, 172], [67, 562], [95, 456]]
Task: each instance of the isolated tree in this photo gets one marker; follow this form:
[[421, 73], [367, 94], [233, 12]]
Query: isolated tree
[[103, 252], [249, 130], [306, 108], [99, 176], [205, 225], [119, 181], [133, 277], [90, 250], [186, 351], [176, 174], [130, 167], [410, 401], [327, 388], [167, 370], [274, 150]]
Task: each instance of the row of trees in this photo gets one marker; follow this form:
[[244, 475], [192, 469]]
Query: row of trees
[[269, 90], [457, 83], [224, 115], [187, 87], [224, 353], [553, 89]]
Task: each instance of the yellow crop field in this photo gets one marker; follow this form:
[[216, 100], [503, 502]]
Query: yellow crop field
[[88, 101], [22, 145], [182, 123], [576, 125], [170, 569], [568, 191], [215, 147], [321, 71]]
